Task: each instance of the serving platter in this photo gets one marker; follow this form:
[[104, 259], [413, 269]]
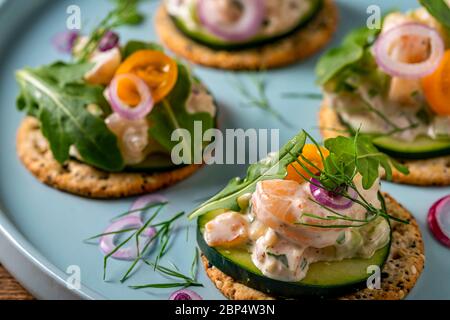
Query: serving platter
[[42, 230]]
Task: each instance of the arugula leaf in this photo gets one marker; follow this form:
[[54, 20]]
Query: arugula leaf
[[56, 96], [134, 45], [273, 167], [350, 52], [171, 114], [438, 9], [357, 154], [337, 59]]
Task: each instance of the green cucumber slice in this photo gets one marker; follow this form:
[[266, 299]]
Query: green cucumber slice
[[213, 42], [324, 279], [421, 148]]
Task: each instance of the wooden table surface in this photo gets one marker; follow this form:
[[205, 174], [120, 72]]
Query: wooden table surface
[[10, 289]]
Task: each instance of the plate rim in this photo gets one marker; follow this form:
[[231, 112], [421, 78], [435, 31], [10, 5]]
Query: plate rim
[[17, 254]]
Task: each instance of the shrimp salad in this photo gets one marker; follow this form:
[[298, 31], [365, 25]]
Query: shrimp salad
[[393, 81], [286, 225], [282, 250]]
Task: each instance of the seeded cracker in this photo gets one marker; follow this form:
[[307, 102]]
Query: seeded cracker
[[298, 46], [82, 179], [399, 275]]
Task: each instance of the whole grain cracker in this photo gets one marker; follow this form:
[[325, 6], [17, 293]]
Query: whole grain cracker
[[399, 275], [81, 179], [298, 46]]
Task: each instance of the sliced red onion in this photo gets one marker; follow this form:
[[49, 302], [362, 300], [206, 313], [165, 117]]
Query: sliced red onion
[[439, 220], [248, 25], [185, 294], [330, 199], [146, 201], [107, 242], [65, 41], [125, 111], [400, 69], [109, 41]]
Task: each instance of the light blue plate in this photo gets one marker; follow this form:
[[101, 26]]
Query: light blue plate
[[42, 230]]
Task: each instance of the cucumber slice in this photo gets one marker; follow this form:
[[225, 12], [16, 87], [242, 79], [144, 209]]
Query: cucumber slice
[[421, 148], [214, 42], [153, 163], [324, 279]]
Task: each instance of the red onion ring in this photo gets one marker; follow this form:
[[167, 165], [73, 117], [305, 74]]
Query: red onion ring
[[145, 201], [409, 70], [185, 294], [109, 41], [65, 41], [330, 199], [245, 28], [107, 242], [439, 220], [125, 111]]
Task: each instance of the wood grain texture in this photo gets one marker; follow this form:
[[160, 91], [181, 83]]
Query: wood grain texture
[[10, 289]]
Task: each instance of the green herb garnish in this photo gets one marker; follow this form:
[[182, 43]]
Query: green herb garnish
[[257, 96], [303, 264], [163, 231], [341, 238], [58, 96], [352, 51], [438, 9], [280, 257], [300, 95], [273, 167], [125, 13], [348, 157], [184, 281]]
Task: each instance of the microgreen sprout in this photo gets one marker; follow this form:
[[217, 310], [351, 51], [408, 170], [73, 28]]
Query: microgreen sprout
[[348, 157]]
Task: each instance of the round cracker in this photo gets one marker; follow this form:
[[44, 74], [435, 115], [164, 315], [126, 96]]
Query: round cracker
[[399, 275], [427, 172], [81, 179], [298, 46]]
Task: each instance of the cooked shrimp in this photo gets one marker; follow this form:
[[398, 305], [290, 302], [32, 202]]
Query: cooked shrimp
[[408, 49], [279, 204], [229, 229], [105, 66]]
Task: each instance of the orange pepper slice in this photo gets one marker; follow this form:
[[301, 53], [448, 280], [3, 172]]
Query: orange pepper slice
[[436, 87], [159, 71], [312, 153]]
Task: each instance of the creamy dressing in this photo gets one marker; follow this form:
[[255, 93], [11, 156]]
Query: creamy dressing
[[404, 99], [201, 100], [281, 15], [282, 250]]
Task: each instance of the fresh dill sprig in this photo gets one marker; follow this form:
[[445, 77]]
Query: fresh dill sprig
[[257, 96], [347, 158], [302, 95], [164, 229], [124, 13], [145, 208], [184, 281]]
